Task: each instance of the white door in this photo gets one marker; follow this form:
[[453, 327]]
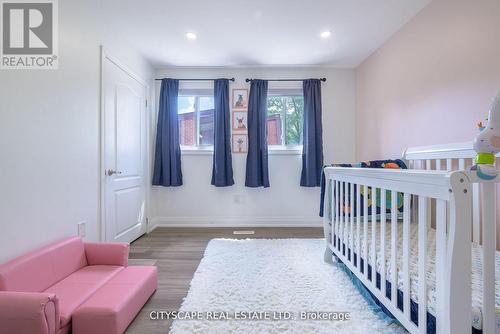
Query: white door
[[124, 153]]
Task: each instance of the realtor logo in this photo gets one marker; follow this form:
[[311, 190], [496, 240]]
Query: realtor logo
[[29, 34]]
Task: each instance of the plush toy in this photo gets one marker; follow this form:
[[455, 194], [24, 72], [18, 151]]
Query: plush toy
[[487, 143], [391, 165]]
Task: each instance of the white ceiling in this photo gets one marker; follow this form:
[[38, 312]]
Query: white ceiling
[[259, 32]]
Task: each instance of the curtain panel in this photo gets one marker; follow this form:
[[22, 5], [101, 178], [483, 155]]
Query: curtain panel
[[167, 164], [257, 173], [222, 166], [312, 151]]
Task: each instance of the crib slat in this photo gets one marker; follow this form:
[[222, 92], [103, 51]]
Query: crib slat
[[358, 226], [347, 217], [441, 273], [339, 203], [394, 245], [331, 211], [365, 231], [422, 259], [351, 224], [374, 237], [406, 255], [429, 212], [476, 213], [334, 210], [461, 164], [346, 220], [345, 227], [337, 224], [428, 164], [449, 164], [489, 233], [382, 240], [438, 164], [341, 225]]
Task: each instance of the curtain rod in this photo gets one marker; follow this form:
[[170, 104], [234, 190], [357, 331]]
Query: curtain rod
[[321, 79], [231, 79]]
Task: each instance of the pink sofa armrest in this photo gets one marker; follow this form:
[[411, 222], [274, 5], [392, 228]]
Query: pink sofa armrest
[[110, 253], [28, 312]]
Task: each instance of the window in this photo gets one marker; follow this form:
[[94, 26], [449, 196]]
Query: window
[[285, 114], [196, 120]]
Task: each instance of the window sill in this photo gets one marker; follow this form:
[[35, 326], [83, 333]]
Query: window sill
[[197, 151], [285, 151], [271, 151]]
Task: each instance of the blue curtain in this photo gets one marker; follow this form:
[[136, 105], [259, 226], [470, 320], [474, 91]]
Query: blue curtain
[[167, 169], [312, 152], [257, 174], [222, 167]]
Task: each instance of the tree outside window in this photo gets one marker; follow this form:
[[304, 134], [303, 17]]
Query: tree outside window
[[285, 118]]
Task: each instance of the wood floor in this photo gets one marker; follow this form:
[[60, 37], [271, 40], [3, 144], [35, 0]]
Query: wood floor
[[177, 252]]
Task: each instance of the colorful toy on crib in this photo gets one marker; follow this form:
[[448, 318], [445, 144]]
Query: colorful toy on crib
[[481, 126], [487, 143]]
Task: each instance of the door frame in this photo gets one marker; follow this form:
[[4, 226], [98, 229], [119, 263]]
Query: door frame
[[105, 54]]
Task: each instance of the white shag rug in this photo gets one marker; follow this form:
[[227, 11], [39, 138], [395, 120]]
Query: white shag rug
[[257, 277]]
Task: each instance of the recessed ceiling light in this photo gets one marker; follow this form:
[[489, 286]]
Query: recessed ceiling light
[[190, 35], [326, 34]]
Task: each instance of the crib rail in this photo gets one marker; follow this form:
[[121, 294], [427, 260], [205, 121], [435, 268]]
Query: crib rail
[[454, 156], [360, 238]]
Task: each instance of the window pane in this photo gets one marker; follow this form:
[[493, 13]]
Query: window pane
[[275, 110], [294, 120], [206, 102], [206, 120], [187, 121]]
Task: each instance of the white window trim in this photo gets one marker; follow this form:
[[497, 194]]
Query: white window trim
[[197, 150], [284, 150]]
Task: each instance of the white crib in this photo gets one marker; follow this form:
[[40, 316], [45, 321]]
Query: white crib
[[444, 207]]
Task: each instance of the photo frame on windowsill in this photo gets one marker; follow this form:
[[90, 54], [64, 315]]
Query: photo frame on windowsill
[[240, 120], [240, 143]]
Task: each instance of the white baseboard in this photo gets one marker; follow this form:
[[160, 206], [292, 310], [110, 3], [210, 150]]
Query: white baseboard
[[235, 222]]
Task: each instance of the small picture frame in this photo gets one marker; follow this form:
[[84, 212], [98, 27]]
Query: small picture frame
[[240, 99], [240, 120], [240, 143]]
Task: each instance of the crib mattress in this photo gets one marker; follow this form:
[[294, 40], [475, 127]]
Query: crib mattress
[[477, 285]]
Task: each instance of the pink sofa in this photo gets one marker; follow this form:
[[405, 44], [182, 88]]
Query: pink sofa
[[72, 286]]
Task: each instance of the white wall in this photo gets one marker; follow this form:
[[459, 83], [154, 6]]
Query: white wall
[[285, 202], [49, 135]]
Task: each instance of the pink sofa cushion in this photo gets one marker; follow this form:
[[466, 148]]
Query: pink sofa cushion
[[79, 286], [111, 309], [115, 253], [41, 268]]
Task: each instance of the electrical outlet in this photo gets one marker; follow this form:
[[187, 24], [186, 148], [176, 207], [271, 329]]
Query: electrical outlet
[[81, 229], [239, 199]]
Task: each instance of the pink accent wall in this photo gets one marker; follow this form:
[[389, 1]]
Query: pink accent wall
[[431, 82]]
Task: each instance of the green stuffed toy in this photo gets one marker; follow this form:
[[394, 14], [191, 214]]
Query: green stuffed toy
[[487, 144]]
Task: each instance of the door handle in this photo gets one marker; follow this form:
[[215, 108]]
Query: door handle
[[112, 171]]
